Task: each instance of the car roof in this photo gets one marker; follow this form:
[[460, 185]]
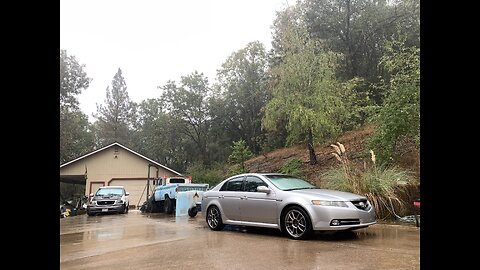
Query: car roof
[[264, 173], [258, 173]]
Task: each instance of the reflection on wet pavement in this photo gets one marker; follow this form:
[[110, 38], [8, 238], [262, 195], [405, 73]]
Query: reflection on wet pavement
[[148, 241]]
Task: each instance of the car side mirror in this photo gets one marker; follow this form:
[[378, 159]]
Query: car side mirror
[[126, 193], [263, 189]]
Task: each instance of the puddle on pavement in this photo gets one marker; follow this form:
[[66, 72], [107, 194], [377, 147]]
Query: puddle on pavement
[[375, 234]]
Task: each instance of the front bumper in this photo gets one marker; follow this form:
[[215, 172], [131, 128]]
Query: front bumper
[[113, 208], [348, 217]]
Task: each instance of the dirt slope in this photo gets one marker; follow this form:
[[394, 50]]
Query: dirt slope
[[354, 142]]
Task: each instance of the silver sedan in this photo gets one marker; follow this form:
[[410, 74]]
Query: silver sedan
[[285, 202]]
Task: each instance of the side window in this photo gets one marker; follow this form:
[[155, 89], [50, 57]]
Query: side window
[[235, 184], [224, 187], [252, 183]]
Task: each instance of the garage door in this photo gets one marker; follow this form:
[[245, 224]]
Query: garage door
[[94, 186], [135, 187]]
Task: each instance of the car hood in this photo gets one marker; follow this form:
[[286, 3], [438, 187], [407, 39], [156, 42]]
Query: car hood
[[328, 194]]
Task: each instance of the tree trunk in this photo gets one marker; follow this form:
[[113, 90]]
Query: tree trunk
[[311, 150]]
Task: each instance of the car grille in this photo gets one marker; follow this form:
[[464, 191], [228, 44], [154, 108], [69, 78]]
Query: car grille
[[362, 204], [105, 202]]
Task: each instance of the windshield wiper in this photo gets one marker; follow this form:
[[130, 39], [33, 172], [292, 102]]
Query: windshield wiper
[[299, 188]]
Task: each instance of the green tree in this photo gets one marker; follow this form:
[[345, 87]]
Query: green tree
[[73, 80], [242, 80], [116, 117], [358, 29], [220, 133], [287, 22], [188, 103], [240, 154], [157, 135], [149, 129], [76, 137], [211, 175], [399, 118], [305, 92]]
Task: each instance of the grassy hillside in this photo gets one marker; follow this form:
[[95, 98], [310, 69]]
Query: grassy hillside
[[355, 146], [354, 142]]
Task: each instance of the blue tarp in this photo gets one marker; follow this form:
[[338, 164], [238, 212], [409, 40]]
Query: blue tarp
[[186, 200]]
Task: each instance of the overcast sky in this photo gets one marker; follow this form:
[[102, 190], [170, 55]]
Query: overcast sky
[[156, 41]]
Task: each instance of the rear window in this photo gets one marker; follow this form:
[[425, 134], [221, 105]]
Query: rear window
[[177, 180]]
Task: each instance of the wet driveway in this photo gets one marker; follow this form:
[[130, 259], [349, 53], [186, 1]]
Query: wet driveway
[[158, 241]]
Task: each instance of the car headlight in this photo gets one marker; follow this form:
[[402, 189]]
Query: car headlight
[[120, 201], [329, 203]]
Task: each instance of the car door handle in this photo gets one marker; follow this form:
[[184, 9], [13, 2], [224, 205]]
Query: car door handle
[[243, 198], [221, 196]]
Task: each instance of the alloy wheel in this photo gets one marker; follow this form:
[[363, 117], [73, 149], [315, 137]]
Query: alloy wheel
[[214, 219], [296, 223]]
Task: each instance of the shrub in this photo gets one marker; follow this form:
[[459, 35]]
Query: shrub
[[240, 154], [205, 175], [292, 167], [378, 183], [399, 117]]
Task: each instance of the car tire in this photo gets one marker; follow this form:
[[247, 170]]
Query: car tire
[[168, 206], [125, 209], [214, 218], [148, 205], [296, 223], [157, 207], [192, 211], [154, 206]]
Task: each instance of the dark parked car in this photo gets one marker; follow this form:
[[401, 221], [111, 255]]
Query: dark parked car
[[108, 199], [285, 202]]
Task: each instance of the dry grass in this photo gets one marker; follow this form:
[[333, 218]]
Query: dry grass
[[380, 185]]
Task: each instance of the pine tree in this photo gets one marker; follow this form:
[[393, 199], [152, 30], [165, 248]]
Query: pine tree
[[116, 117]]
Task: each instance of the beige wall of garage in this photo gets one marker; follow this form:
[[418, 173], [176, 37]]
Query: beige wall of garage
[[116, 165], [136, 188]]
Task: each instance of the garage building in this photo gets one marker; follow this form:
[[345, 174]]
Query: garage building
[[115, 165]]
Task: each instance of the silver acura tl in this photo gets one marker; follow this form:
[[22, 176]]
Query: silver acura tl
[[285, 202]]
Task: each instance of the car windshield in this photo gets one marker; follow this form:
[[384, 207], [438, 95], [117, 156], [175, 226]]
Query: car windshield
[[109, 191], [286, 182]]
